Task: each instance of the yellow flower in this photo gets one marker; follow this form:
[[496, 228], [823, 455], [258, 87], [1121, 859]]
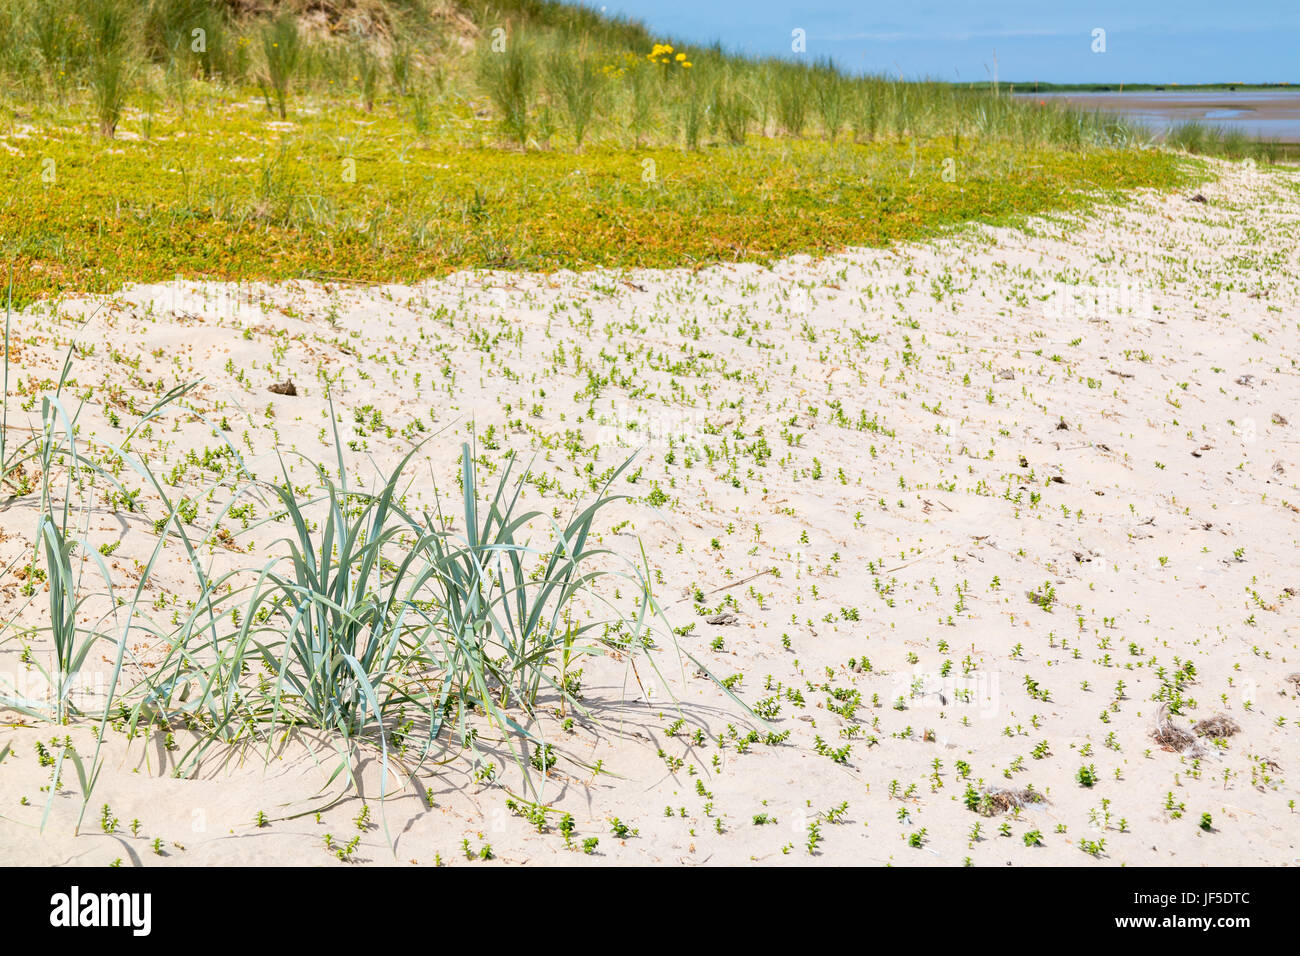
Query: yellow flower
[[686, 64], [680, 57]]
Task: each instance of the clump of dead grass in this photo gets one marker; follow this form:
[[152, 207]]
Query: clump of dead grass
[[1218, 727], [1171, 736], [997, 800]]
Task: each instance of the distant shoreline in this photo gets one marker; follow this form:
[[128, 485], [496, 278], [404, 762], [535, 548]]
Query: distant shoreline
[[1119, 87], [1263, 114]]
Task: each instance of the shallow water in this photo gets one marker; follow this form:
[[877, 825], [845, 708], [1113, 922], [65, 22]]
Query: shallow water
[[1259, 114]]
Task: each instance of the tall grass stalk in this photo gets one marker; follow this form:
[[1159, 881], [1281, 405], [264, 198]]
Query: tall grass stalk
[[733, 108], [690, 106], [576, 82], [52, 26], [421, 118], [508, 77], [400, 66], [108, 26], [640, 111], [866, 115], [178, 73], [281, 52], [367, 67], [791, 93], [168, 24], [828, 86]]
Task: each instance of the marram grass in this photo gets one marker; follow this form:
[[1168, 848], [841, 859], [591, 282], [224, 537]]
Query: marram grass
[[420, 637]]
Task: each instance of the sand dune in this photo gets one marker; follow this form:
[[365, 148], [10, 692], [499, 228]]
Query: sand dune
[[987, 517]]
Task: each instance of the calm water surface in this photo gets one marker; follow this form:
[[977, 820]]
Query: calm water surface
[[1259, 114]]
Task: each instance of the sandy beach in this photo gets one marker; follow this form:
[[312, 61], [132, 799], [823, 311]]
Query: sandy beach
[[967, 514]]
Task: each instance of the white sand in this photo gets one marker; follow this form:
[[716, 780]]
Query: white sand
[[1171, 418]]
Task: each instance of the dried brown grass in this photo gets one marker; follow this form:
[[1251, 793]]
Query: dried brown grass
[[1218, 726], [1171, 736], [997, 800]]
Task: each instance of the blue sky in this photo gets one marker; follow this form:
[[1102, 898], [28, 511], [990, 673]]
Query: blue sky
[[1152, 41]]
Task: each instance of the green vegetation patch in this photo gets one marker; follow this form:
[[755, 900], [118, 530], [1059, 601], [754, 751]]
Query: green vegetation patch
[[396, 141], [232, 195]]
